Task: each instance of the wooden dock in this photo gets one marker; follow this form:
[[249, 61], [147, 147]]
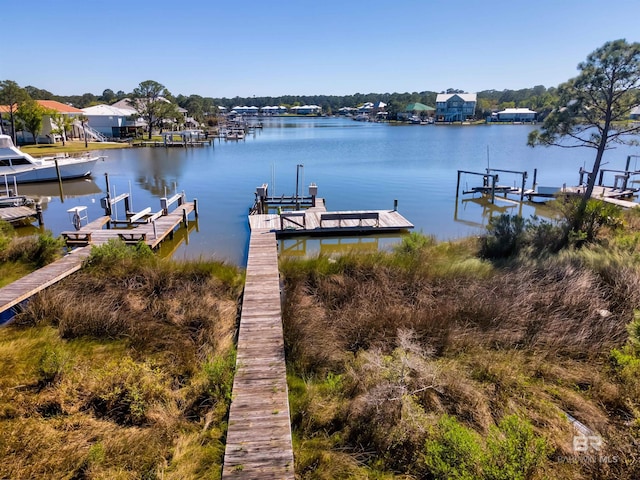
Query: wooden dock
[[151, 233], [316, 221], [16, 214], [611, 195], [34, 282], [259, 435]]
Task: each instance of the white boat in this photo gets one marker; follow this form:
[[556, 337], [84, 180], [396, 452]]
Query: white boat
[[24, 168]]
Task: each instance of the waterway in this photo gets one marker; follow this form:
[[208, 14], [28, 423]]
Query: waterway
[[356, 165]]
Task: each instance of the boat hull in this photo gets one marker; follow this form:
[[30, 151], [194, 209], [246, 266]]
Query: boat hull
[[48, 173]]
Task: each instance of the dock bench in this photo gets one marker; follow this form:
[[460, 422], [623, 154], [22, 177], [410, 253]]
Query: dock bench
[[132, 237], [77, 237], [340, 216]]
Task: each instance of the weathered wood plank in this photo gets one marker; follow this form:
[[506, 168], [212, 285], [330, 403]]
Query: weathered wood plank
[[34, 282], [259, 434]]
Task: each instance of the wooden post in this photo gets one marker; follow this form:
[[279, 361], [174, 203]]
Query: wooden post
[[164, 206], [395, 205], [600, 178], [535, 178], [107, 208], [155, 232], [195, 207], [458, 186], [524, 180], [58, 174], [185, 219], [628, 163], [39, 215], [493, 189]]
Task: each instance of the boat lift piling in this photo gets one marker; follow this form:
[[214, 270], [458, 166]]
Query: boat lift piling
[[524, 176]]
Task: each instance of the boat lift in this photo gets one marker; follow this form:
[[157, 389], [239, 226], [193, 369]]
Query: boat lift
[[490, 183]]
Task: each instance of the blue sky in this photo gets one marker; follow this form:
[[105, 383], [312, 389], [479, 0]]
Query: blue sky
[[299, 47]]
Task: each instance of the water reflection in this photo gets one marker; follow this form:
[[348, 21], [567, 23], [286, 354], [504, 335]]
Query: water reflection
[[308, 247], [44, 191]]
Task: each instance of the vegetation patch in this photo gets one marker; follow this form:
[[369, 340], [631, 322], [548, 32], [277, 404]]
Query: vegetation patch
[[432, 362], [123, 370]]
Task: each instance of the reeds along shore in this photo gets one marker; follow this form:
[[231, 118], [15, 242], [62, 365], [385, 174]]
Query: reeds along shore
[[122, 371], [432, 362]]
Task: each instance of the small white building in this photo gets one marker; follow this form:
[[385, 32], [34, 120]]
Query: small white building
[[516, 115]]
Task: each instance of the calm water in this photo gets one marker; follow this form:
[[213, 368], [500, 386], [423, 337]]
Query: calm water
[[357, 166]]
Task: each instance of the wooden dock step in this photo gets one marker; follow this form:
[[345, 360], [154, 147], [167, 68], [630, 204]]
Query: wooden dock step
[[259, 435]]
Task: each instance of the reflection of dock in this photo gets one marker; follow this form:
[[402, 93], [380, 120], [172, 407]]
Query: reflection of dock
[[300, 246]]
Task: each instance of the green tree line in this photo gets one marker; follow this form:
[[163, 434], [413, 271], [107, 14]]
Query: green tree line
[[537, 98]]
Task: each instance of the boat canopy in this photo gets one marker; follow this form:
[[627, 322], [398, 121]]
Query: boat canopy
[[5, 141]]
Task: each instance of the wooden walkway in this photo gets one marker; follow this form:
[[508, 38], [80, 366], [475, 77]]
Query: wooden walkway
[[259, 436], [34, 282]]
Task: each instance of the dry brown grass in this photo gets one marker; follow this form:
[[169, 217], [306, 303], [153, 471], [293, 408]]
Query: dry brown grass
[[531, 339], [110, 374]]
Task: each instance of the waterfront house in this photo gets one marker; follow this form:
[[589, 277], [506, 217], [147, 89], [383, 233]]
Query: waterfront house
[[273, 110], [113, 121], [244, 110], [515, 115], [416, 110], [47, 134], [635, 113], [307, 110], [455, 107]]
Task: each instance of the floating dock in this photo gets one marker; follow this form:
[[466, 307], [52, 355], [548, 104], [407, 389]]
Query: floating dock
[[318, 222]]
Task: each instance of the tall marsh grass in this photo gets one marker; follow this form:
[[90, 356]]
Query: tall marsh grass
[[123, 370], [432, 330]]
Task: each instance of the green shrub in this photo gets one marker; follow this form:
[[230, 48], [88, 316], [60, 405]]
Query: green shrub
[[415, 242], [504, 236], [453, 452], [115, 253], [219, 373], [597, 215], [52, 364], [544, 236], [513, 452]]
